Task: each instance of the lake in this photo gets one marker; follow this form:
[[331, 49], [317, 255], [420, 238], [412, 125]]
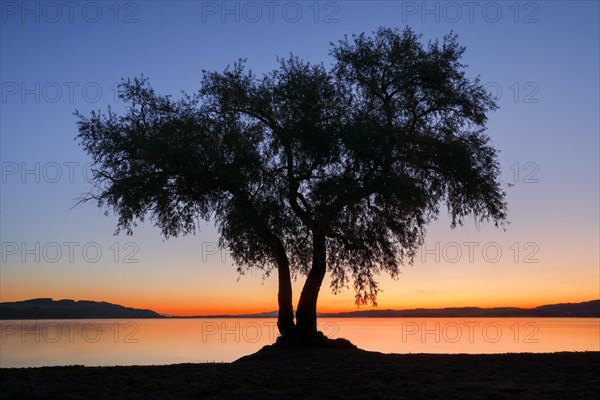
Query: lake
[[95, 342]]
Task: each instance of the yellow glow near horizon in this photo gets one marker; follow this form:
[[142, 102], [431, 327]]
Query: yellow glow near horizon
[[249, 296]]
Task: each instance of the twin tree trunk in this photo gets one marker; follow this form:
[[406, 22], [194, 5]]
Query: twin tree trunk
[[306, 314]]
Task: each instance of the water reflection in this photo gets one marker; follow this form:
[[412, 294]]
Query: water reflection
[[167, 341]]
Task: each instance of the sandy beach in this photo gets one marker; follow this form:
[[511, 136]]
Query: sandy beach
[[323, 374]]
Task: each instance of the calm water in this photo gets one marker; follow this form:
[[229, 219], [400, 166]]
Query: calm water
[[30, 343]]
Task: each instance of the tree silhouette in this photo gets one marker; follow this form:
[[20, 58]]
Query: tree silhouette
[[305, 169]]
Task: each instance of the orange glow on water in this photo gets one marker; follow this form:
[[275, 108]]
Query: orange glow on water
[[173, 340]]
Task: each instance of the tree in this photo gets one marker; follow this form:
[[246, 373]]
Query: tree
[[307, 169]]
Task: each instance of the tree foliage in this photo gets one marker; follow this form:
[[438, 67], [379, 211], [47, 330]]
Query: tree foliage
[[359, 157]]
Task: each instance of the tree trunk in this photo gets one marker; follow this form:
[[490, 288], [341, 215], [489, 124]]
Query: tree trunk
[[306, 314], [285, 317]]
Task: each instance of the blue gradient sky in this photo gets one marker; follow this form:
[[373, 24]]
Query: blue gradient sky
[[542, 58]]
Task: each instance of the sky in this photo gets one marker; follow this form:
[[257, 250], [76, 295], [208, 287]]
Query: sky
[[540, 58]]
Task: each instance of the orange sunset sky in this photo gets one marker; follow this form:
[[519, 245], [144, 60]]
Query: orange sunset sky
[[171, 278]]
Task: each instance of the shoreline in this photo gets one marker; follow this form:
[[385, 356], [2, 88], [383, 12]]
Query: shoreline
[[323, 373]]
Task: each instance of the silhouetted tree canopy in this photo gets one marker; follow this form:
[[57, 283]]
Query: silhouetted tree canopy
[[308, 169]]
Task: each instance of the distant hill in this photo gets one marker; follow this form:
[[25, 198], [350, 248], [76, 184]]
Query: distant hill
[[587, 309], [69, 309]]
